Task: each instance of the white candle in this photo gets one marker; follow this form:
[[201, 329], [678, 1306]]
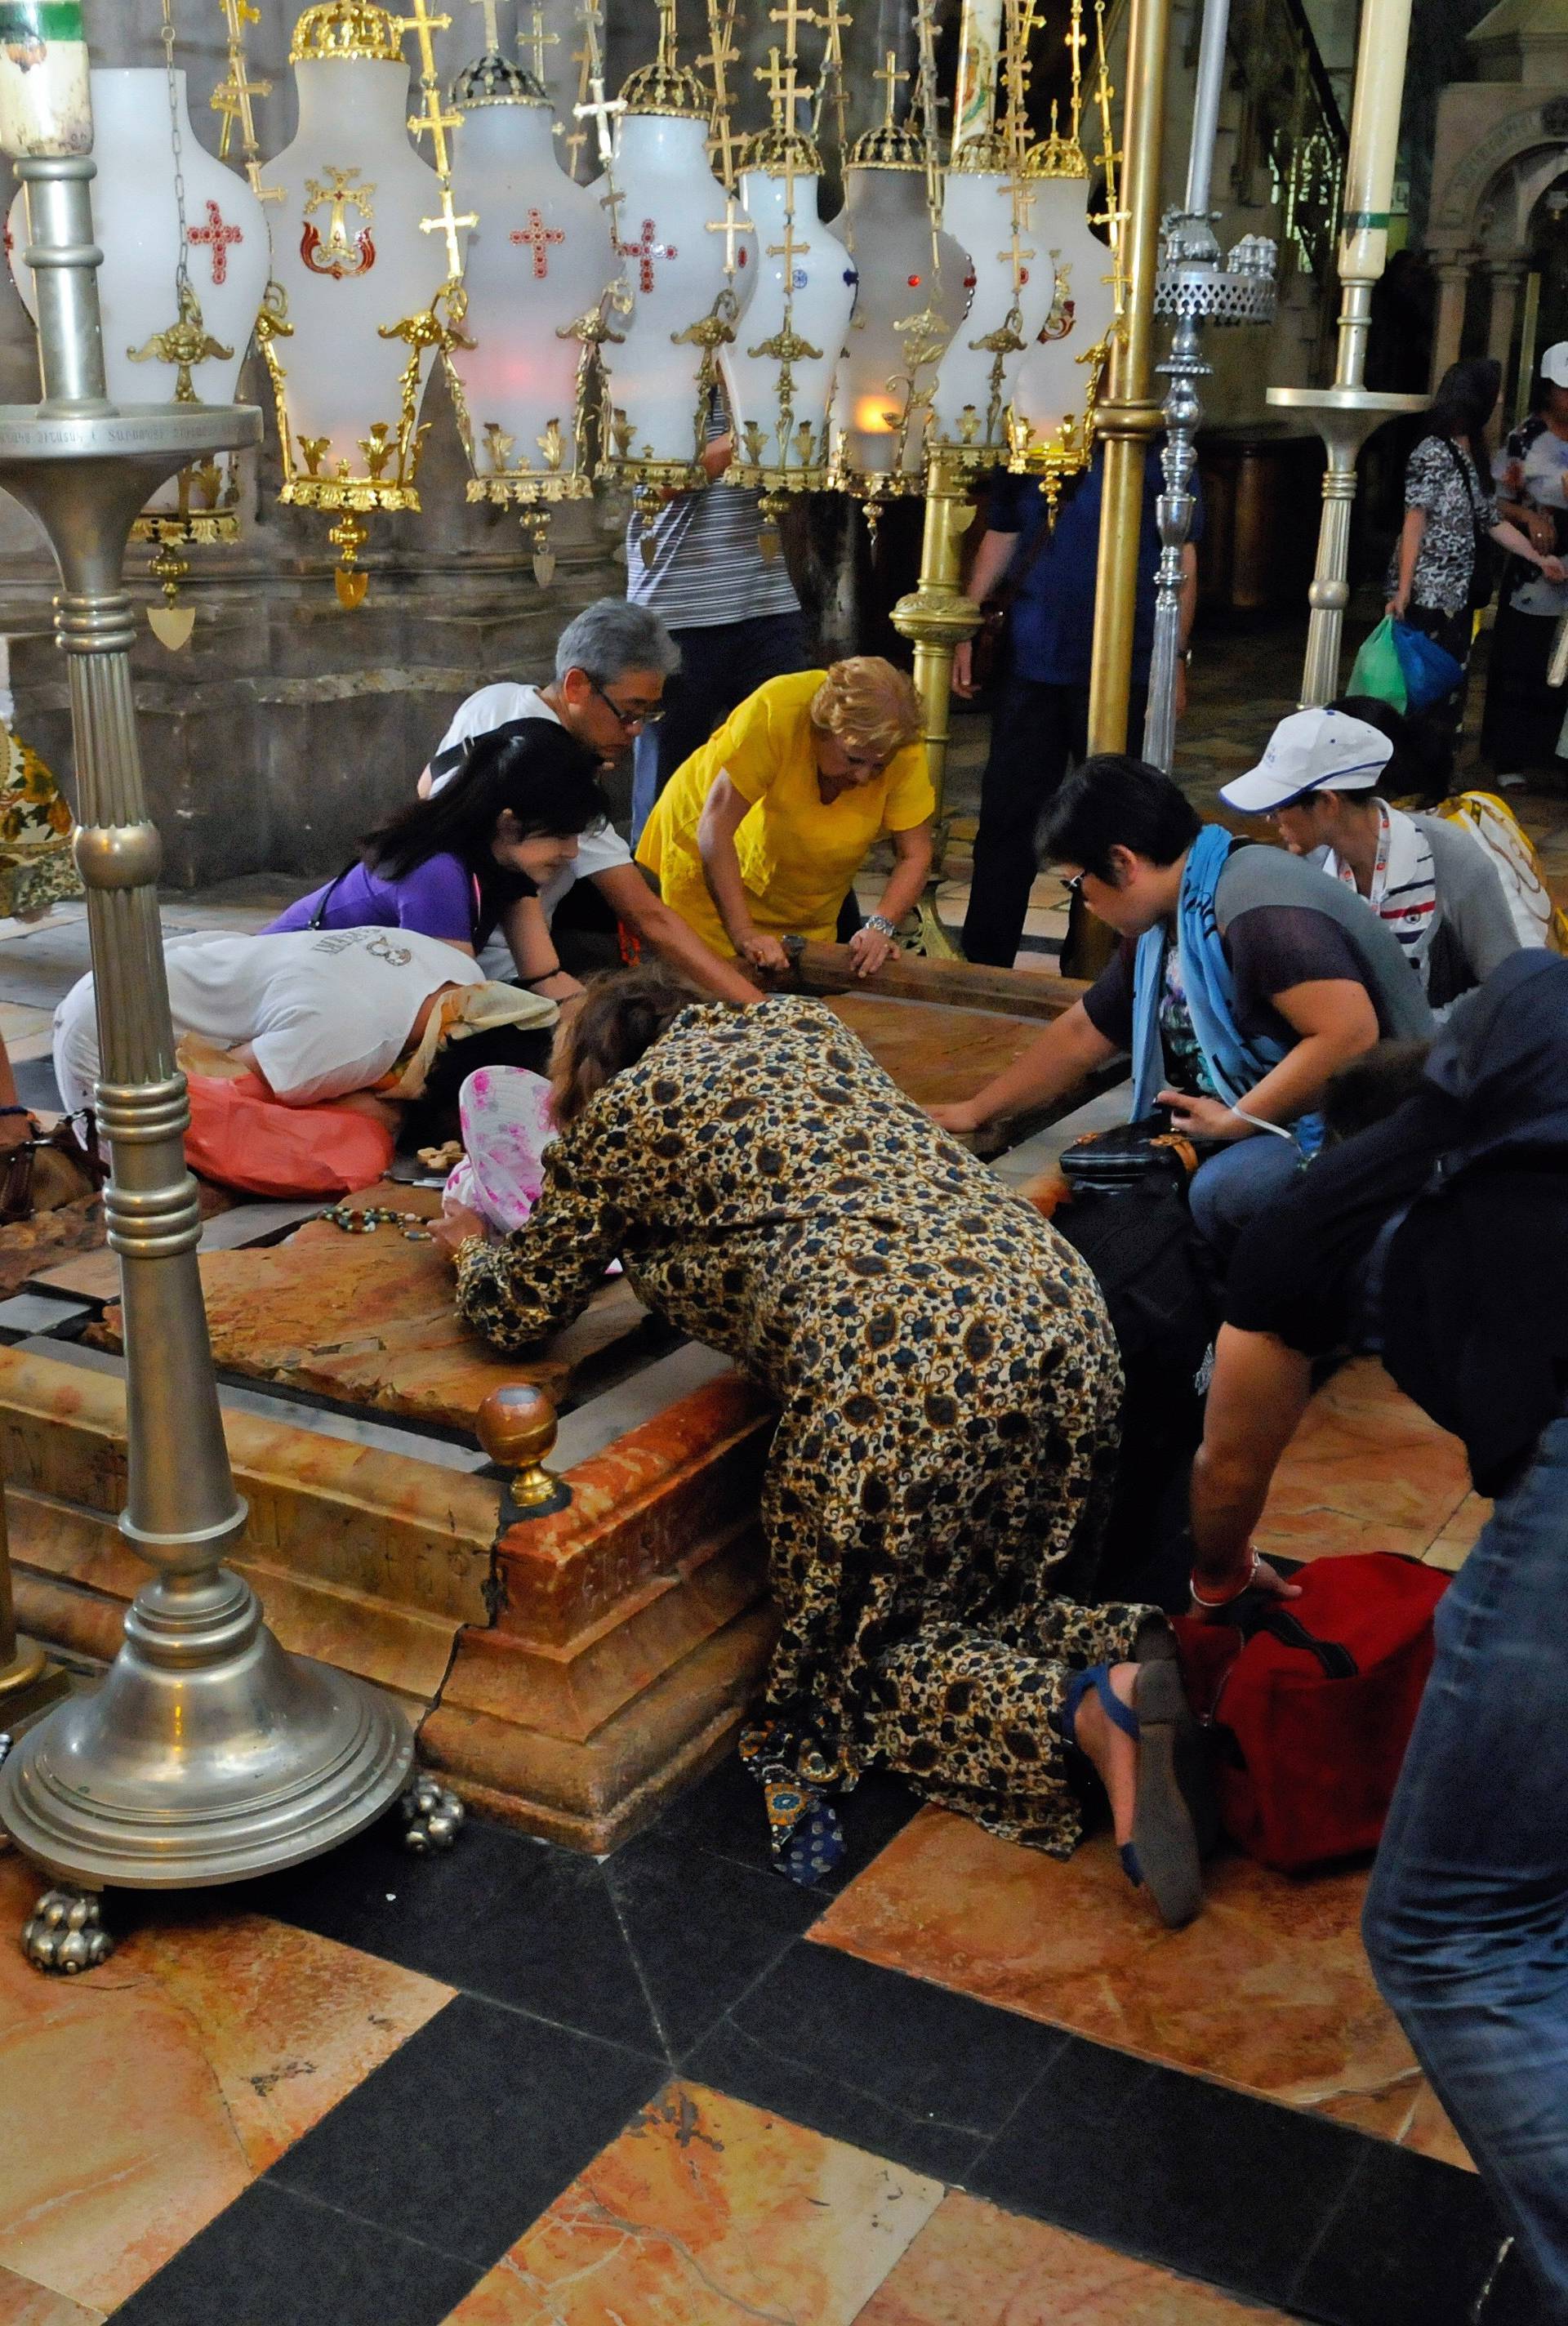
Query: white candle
[[1380, 90]]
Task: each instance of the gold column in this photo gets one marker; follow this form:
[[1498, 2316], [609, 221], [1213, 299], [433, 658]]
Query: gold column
[[1128, 419], [937, 617]]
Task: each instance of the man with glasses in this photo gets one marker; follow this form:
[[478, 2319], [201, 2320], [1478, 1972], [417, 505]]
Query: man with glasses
[[611, 662]]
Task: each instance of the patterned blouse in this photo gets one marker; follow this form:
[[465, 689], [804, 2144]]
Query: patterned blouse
[[1440, 478]]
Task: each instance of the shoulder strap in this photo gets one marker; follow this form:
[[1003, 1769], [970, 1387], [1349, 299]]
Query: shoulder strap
[[1019, 573], [318, 917], [1337, 1662], [1454, 454]]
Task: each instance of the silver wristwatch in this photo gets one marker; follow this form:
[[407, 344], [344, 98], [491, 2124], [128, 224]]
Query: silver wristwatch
[[881, 924]]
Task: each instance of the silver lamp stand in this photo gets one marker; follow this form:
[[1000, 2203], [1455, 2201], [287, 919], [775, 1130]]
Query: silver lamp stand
[[207, 1753], [1196, 289]]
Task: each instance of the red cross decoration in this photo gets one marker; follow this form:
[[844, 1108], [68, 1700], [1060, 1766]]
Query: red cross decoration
[[645, 251], [538, 234], [216, 236]]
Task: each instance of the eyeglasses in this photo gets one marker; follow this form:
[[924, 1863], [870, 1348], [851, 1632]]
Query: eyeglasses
[[1073, 884], [629, 718]]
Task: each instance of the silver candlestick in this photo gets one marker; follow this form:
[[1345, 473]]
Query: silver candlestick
[[1195, 289], [207, 1753]]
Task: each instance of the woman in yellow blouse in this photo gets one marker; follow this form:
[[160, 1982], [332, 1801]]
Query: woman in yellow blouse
[[761, 832]]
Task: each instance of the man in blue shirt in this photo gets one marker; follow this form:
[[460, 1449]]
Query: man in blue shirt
[[1040, 724]]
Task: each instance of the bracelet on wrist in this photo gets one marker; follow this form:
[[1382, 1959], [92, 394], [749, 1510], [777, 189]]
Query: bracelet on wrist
[[881, 924], [1226, 1597]]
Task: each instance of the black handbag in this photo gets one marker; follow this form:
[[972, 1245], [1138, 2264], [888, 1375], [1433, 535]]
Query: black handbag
[[1146, 1153]]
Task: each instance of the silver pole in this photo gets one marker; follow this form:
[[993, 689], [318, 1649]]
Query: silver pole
[[1193, 287], [207, 1753]]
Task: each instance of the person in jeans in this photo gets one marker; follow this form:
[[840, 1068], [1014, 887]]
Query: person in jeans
[[1460, 1275], [1243, 981], [1040, 725], [732, 613]]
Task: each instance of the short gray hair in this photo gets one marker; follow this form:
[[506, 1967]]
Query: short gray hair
[[610, 637]]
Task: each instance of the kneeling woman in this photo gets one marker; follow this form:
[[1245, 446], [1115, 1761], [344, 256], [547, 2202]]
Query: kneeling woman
[[949, 1390]]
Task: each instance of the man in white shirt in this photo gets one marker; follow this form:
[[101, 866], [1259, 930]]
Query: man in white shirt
[[318, 1013], [611, 662]]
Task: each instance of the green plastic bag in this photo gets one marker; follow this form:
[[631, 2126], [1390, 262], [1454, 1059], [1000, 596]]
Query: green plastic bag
[[1378, 671]]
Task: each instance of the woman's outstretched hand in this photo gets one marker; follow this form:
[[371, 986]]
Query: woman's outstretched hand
[[962, 1116], [764, 952], [868, 949], [1268, 1582], [452, 1229]]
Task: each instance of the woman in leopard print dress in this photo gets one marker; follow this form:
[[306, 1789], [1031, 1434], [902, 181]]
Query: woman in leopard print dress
[[947, 1377]]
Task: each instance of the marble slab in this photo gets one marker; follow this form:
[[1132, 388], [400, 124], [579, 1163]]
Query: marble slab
[[24, 2304], [1366, 1470], [973, 2264], [160, 2087], [1268, 1990], [707, 2209]]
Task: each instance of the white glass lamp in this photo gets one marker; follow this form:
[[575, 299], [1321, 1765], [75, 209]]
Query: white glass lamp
[[682, 302], [350, 336], [906, 310], [990, 210], [779, 371], [154, 353], [1059, 376], [538, 261]]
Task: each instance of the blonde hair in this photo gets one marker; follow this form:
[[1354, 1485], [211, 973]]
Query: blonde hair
[[867, 701]]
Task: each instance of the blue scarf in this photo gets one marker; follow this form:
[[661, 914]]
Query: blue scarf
[[1237, 1062]]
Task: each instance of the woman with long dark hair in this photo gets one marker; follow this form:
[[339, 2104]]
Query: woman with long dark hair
[[474, 855], [1439, 576]]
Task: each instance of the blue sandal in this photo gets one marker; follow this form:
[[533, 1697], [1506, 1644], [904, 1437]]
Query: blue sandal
[[1162, 1853]]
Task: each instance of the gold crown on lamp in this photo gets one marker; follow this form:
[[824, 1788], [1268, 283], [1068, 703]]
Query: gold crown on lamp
[[1057, 157], [888, 147], [989, 150], [667, 88], [778, 149], [346, 28], [494, 79]]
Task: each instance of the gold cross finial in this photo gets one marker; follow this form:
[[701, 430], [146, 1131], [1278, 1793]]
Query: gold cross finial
[[437, 120], [791, 17], [732, 223], [492, 27], [232, 99], [890, 73], [539, 40], [666, 31]]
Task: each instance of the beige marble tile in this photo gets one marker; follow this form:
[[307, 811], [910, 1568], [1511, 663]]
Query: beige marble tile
[[1268, 1990], [707, 2210], [973, 2264], [1366, 1470], [158, 2087], [1453, 1545], [24, 2304]]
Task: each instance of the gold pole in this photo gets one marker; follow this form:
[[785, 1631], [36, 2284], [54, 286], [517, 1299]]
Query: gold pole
[[1128, 418], [28, 1680], [937, 617]]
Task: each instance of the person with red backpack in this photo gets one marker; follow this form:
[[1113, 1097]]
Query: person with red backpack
[[1439, 1236]]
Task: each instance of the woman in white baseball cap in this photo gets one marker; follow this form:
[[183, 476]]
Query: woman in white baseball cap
[[1522, 727]]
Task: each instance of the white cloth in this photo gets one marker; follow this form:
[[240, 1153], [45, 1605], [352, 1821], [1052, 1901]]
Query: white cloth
[[325, 1011], [506, 1123], [600, 849]]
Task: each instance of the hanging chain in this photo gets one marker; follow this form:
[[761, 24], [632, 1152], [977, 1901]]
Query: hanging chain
[[177, 147]]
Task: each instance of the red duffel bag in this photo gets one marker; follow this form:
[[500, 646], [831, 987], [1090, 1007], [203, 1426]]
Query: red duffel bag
[[1310, 1703], [242, 1138]]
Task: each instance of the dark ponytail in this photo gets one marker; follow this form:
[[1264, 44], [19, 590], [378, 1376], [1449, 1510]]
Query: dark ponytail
[[620, 1017]]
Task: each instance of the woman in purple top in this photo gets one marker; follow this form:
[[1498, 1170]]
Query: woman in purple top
[[474, 856]]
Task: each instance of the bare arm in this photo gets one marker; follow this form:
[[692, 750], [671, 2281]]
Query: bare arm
[[631, 899], [1257, 1396], [1336, 1021], [1508, 537], [1069, 1049], [533, 948], [992, 559], [723, 813], [1410, 536]]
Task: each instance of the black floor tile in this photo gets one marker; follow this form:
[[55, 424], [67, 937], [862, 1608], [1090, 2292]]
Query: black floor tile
[[500, 1915], [702, 1929], [471, 2129], [1203, 2180], [275, 2259], [724, 1816], [1413, 2243], [871, 2056]]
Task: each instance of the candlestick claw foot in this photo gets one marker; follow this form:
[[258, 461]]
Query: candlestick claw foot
[[65, 1934], [432, 1818]]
